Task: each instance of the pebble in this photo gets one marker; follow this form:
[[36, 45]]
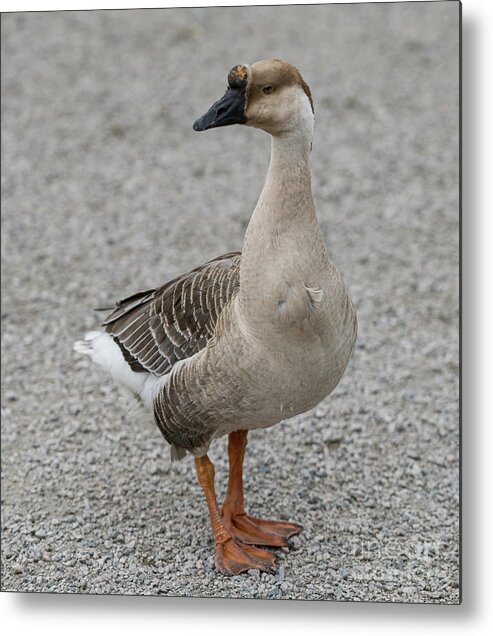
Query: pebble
[[332, 437]]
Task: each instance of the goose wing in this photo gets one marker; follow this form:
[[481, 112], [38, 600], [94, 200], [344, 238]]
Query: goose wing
[[158, 327]]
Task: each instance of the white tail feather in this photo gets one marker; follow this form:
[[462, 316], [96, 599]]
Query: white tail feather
[[104, 351], [85, 347]]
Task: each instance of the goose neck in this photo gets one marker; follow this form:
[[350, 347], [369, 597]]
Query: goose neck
[[283, 245], [287, 190]]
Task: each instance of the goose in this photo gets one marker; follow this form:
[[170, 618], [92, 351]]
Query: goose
[[250, 338]]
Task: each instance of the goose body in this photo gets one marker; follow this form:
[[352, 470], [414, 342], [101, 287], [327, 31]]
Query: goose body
[[248, 339]]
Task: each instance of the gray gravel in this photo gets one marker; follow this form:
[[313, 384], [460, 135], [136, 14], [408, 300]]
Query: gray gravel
[[107, 190]]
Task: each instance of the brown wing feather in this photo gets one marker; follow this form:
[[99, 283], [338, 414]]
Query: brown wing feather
[[158, 327]]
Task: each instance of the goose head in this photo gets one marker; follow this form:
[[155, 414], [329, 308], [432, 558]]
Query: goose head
[[271, 95]]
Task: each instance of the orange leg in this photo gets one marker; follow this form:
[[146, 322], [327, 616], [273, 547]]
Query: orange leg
[[248, 529], [232, 556]]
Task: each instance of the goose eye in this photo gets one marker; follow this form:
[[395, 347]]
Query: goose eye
[[268, 89]]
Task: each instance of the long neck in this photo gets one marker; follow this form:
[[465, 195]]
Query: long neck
[[287, 191], [283, 244], [286, 197]]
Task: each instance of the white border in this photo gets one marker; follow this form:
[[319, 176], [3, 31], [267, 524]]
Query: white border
[[56, 5]]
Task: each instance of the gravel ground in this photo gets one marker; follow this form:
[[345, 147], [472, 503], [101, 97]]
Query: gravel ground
[[107, 190]]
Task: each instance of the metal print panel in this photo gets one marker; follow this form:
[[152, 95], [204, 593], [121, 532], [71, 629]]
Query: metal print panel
[[272, 410]]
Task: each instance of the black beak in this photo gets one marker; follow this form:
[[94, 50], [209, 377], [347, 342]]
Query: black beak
[[228, 110]]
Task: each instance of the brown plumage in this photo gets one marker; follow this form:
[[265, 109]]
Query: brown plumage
[[245, 340], [159, 327]]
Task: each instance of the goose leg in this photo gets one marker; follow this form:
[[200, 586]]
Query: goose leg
[[246, 528], [232, 556]]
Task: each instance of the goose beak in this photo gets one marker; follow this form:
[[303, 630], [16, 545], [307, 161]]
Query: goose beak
[[228, 110]]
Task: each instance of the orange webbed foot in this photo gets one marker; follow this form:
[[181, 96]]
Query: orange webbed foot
[[255, 531], [234, 557]]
